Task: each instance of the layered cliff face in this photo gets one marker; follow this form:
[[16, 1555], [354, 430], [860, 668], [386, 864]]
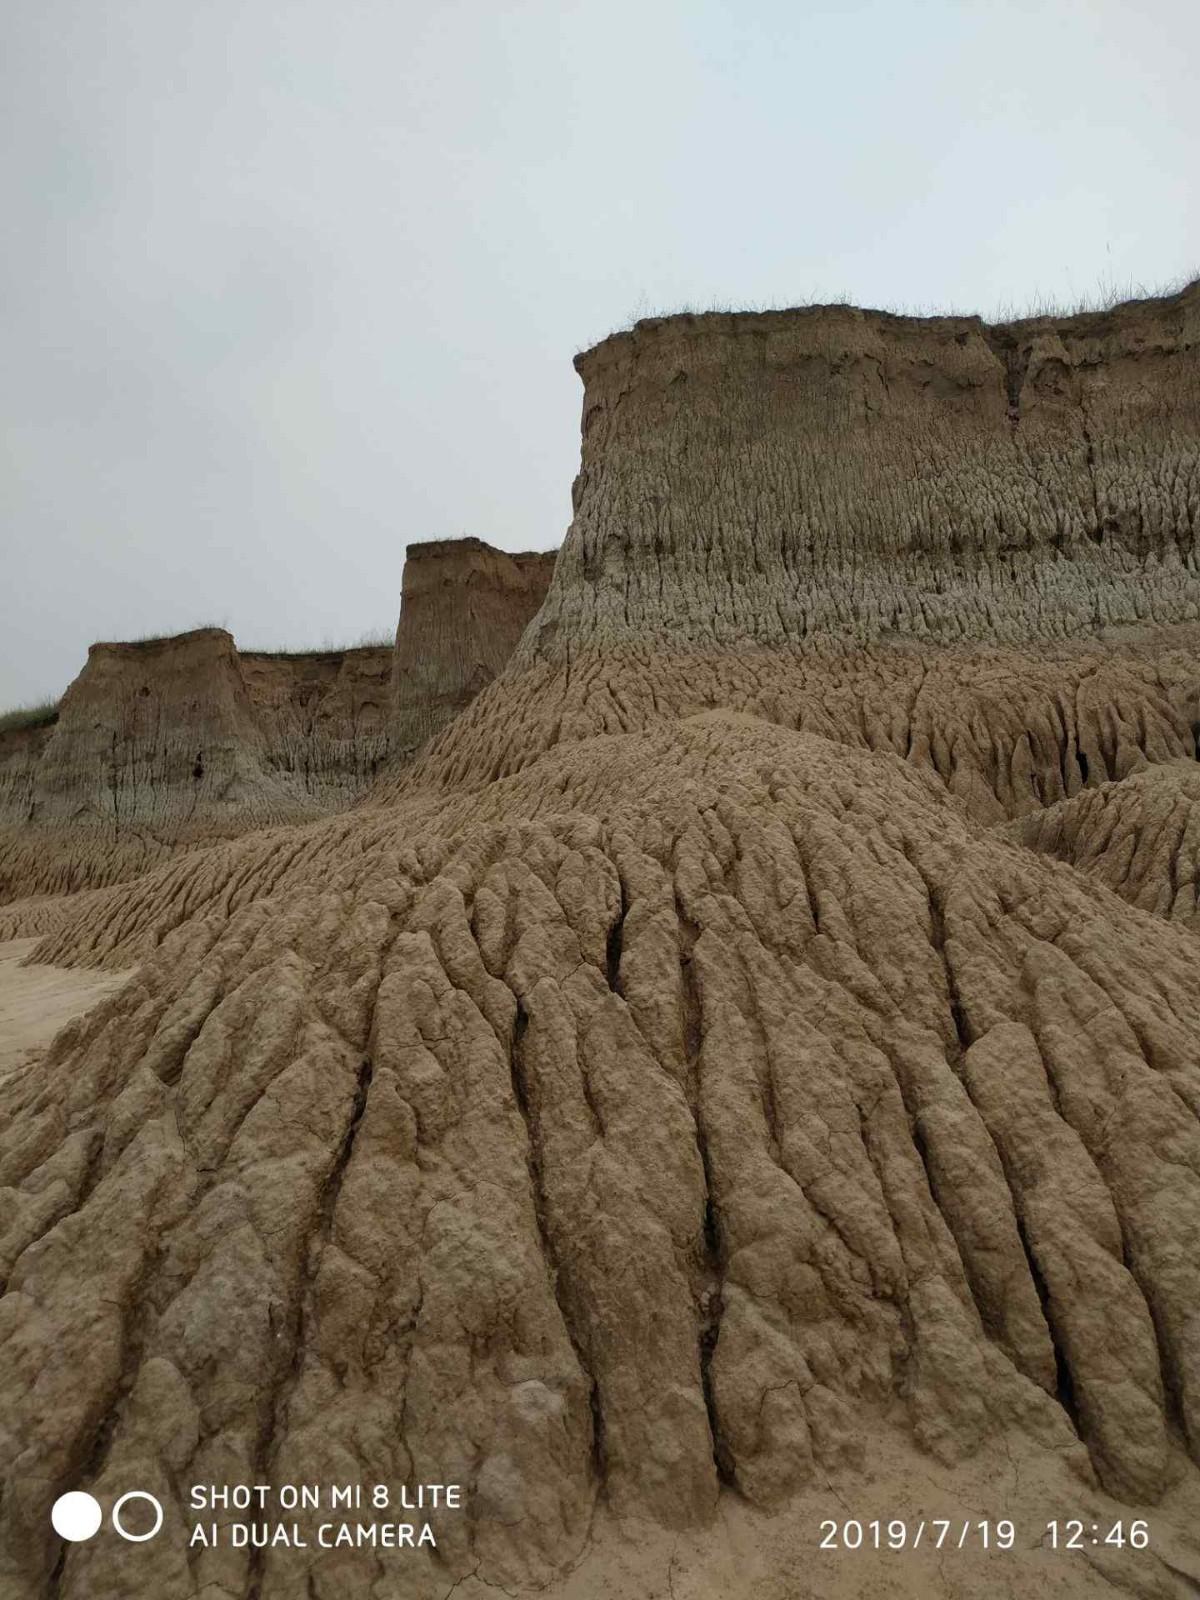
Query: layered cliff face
[[680, 1107], [172, 743], [836, 474], [323, 718], [465, 605], [973, 546], [21, 750]]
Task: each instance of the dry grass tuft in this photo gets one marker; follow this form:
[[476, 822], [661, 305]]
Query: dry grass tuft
[[1108, 294], [36, 716]]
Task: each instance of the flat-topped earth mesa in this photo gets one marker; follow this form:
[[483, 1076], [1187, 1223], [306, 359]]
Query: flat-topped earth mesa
[[724, 1080], [775, 477]]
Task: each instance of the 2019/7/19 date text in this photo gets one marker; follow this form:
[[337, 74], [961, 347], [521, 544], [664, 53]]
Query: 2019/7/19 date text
[[947, 1533]]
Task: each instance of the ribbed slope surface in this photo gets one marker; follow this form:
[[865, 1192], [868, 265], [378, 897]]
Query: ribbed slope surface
[[1140, 837], [698, 1107]]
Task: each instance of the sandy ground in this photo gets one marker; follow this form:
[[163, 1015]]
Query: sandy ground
[[36, 1001]]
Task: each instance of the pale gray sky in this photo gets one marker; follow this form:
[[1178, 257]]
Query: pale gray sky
[[287, 283]]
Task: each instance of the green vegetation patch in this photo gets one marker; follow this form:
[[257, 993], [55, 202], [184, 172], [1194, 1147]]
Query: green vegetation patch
[[39, 716]]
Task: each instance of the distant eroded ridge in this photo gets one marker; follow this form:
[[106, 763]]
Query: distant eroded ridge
[[172, 743]]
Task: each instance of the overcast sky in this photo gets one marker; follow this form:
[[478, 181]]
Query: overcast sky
[[287, 283]]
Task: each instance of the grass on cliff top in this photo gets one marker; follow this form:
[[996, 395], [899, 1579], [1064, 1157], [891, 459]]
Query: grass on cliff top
[[166, 638], [376, 640], [1107, 296], [38, 716], [379, 639]]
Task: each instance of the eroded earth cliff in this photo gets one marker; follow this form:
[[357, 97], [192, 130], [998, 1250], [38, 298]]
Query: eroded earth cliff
[[715, 1087], [170, 743], [166, 745], [464, 610]]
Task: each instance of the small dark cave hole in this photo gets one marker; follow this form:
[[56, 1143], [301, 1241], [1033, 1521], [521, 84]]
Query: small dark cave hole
[[1081, 761], [198, 769]]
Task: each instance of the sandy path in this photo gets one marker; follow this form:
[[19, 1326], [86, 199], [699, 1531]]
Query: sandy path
[[36, 1001]]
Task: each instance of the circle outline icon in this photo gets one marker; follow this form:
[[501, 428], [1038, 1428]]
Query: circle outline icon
[[115, 1517], [74, 1511]]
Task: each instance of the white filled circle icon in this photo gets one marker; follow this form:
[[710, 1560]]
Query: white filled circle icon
[[76, 1516]]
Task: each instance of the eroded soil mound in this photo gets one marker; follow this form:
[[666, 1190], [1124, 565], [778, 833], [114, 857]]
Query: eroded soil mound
[[761, 1107], [1141, 837]]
